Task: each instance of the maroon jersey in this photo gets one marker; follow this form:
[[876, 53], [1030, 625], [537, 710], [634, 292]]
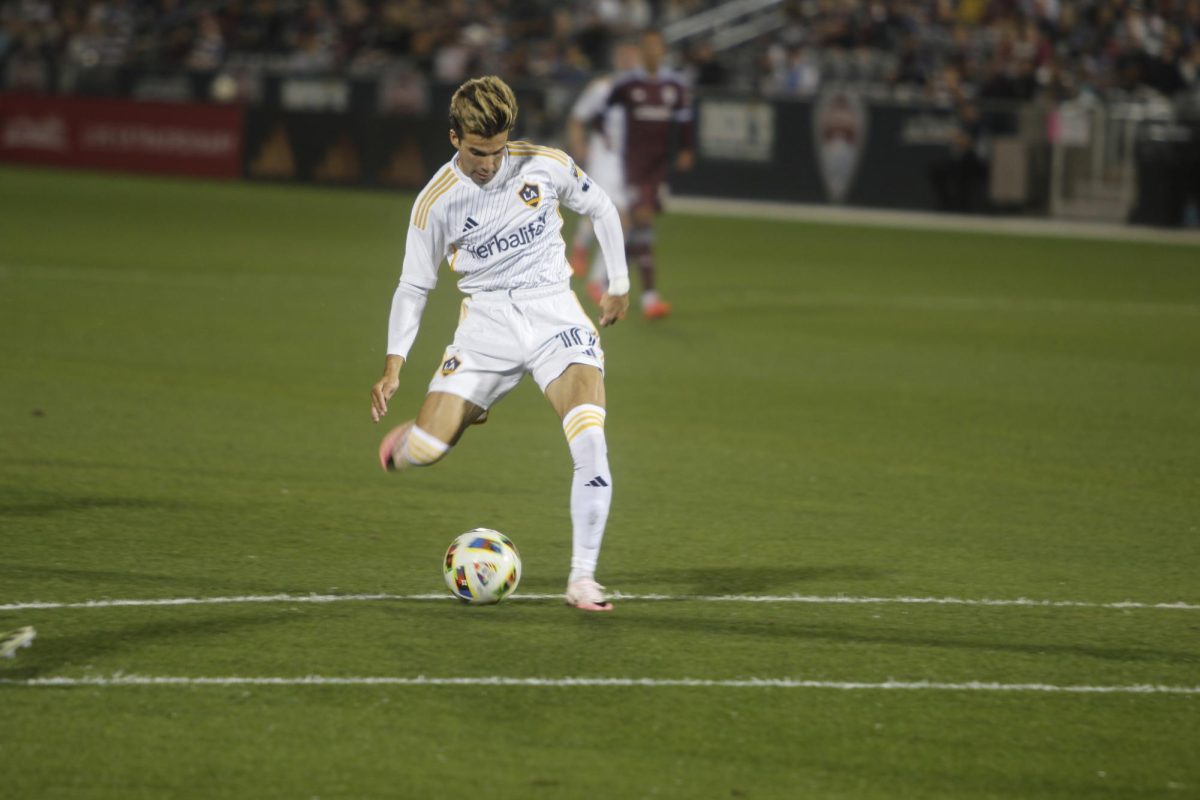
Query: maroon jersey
[[653, 106]]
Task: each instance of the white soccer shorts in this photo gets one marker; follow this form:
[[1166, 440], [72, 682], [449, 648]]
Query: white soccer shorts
[[504, 334], [607, 169]]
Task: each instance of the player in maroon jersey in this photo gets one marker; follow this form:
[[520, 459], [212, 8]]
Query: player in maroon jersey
[[657, 107]]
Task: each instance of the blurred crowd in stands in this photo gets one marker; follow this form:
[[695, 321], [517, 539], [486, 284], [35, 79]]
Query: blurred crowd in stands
[[933, 49]]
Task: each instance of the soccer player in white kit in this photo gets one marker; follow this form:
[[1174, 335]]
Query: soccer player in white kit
[[595, 136], [492, 212]]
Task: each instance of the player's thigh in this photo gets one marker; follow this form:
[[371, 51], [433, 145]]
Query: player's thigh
[[445, 416], [579, 384]]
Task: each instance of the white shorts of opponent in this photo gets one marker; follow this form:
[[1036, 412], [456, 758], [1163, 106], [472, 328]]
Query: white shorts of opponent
[[607, 169], [504, 334]]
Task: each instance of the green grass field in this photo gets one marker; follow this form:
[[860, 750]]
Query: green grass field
[[832, 411]]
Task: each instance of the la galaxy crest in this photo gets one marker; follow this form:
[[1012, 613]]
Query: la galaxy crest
[[450, 365], [530, 194]]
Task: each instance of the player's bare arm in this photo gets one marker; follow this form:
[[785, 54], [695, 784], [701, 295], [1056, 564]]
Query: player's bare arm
[[385, 387]]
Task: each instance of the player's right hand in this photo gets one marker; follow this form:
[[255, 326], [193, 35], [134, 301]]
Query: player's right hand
[[381, 392], [613, 308]]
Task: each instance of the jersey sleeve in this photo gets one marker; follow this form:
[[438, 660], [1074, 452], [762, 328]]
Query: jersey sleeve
[[591, 102], [577, 191], [580, 193], [424, 249]]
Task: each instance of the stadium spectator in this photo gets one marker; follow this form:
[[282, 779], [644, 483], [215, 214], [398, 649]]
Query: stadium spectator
[[706, 71], [997, 48], [960, 177], [208, 48]]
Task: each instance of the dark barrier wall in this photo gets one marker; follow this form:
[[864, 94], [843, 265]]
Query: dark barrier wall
[[838, 148], [175, 138], [349, 149]]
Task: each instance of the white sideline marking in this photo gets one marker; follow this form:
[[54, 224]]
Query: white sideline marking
[[695, 598], [742, 683]]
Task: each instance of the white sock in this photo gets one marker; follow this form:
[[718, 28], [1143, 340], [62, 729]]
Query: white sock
[[591, 488], [649, 297], [421, 449]]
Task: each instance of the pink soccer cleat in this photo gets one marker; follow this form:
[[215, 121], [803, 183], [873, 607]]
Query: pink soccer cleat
[[587, 595], [390, 447]]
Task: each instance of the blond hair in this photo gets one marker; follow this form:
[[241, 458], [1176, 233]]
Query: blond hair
[[483, 106]]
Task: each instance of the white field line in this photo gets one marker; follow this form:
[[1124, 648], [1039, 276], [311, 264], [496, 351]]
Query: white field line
[[1023, 602], [654, 683]]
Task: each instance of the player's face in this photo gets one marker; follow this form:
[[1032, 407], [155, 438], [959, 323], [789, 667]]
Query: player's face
[[478, 157], [626, 56], [654, 49]]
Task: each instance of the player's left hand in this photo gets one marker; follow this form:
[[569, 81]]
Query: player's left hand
[[612, 309], [685, 161]]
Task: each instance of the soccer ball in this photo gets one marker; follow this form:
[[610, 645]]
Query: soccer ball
[[482, 566]]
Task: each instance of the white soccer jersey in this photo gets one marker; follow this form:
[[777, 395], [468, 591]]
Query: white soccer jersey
[[505, 234], [592, 102]]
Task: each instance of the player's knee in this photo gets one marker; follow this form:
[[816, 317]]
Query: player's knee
[[422, 449]]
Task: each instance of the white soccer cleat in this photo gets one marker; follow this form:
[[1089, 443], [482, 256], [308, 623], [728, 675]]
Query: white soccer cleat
[[13, 641], [587, 595]]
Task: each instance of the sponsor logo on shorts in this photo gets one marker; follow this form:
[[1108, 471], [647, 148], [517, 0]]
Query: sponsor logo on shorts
[[530, 194], [450, 365]]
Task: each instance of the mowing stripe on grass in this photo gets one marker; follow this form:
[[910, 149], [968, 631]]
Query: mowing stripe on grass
[[701, 598], [889, 301], [653, 683]]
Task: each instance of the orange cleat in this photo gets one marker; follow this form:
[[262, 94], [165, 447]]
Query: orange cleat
[[657, 309], [595, 290]]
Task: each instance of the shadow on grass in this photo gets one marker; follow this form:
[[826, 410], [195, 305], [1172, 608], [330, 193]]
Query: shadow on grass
[[52, 653], [103, 583], [840, 634], [737, 579], [56, 504]]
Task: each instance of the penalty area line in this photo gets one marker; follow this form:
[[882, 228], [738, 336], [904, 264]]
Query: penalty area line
[[1021, 602], [651, 683]]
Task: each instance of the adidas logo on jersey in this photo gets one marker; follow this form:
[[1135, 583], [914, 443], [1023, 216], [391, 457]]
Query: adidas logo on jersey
[[471, 223], [597, 482]]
